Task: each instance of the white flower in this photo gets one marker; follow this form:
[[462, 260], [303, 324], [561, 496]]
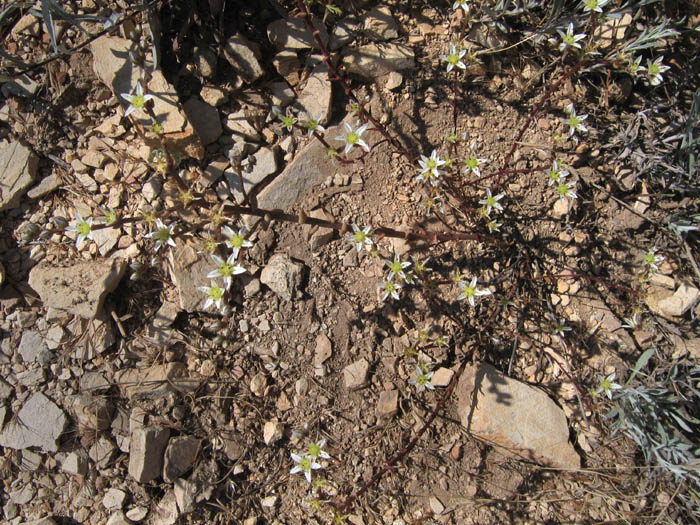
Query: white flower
[[653, 260], [631, 322], [569, 39], [312, 124], [83, 227], [635, 66], [136, 101], [575, 122], [491, 201], [567, 189], [472, 163], [422, 380], [360, 237], [304, 464], [494, 226], [454, 58], [226, 269], [607, 385], [390, 289], [461, 3], [316, 450], [215, 295], [353, 137], [162, 234], [396, 267], [236, 241], [288, 120], [654, 70], [556, 174], [594, 5], [560, 327], [429, 171], [469, 292]]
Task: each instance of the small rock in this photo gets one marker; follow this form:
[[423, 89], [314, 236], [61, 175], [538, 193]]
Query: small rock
[[204, 119], [293, 34], [32, 348], [31, 461], [39, 423], [282, 276], [205, 59], [562, 207], [388, 403], [106, 239], [188, 270], [152, 188], [244, 56], [118, 518], [282, 94], [114, 499], [213, 96], [180, 455], [137, 513], [380, 25], [166, 315], [662, 280], [356, 374], [684, 298], [268, 502], [79, 289], [371, 61], [344, 32], [54, 337], [264, 164], [258, 384], [237, 122], [47, 185], [167, 511], [315, 98], [146, 452], [436, 505], [393, 81], [23, 495], [101, 452], [442, 377], [18, 169], [273, 432], [324, 349], [75, 463], [94, 159], [92, 412]]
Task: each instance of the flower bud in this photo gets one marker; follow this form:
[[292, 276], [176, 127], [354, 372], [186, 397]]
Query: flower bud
[[61, 223], [30, 232]]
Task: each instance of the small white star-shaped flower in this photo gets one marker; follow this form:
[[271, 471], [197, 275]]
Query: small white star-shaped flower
[[491, 201], [226, 269], [313, 124], [569, 39], [236, 240], [305, 465], [396, 267], [575, 122], [353, 137], [594, 5], [162, 234], [137, 100], [655, 70], [215, 295], [607, 386], [429, 168], [361, 237], [470, 291], [454, 58], [422, 380], [461, 3], [83, 227], [390, 288]]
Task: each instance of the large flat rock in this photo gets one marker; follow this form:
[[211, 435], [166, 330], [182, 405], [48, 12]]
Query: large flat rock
[[520, 418], [39, 423], [79, 289], [18, 168], [371, 61]]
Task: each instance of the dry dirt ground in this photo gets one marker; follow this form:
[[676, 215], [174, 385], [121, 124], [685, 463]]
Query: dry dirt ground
[[581, 263]]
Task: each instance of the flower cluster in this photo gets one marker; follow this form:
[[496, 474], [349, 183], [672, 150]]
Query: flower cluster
[[308, 461], [396, 277], [652, 260], [225, 268]]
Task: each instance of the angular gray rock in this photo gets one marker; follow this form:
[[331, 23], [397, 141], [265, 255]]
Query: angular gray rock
[[188, 270], [156, 381], [244, 56], [356, 374], [308, 169], [315, 98], [204, 118], [46, 185], [371, 61], [32, 348], [518, 417], [79, 289], [18, 168], [92, 412], [324, 349], [264, 164], [293, 34], [282, 276], [146, 452], [106, 239], [683, 299], [380, 24], [39, 423], [387, 404], [180, 456]]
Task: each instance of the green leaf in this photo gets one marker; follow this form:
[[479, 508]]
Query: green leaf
[[643, 359]]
